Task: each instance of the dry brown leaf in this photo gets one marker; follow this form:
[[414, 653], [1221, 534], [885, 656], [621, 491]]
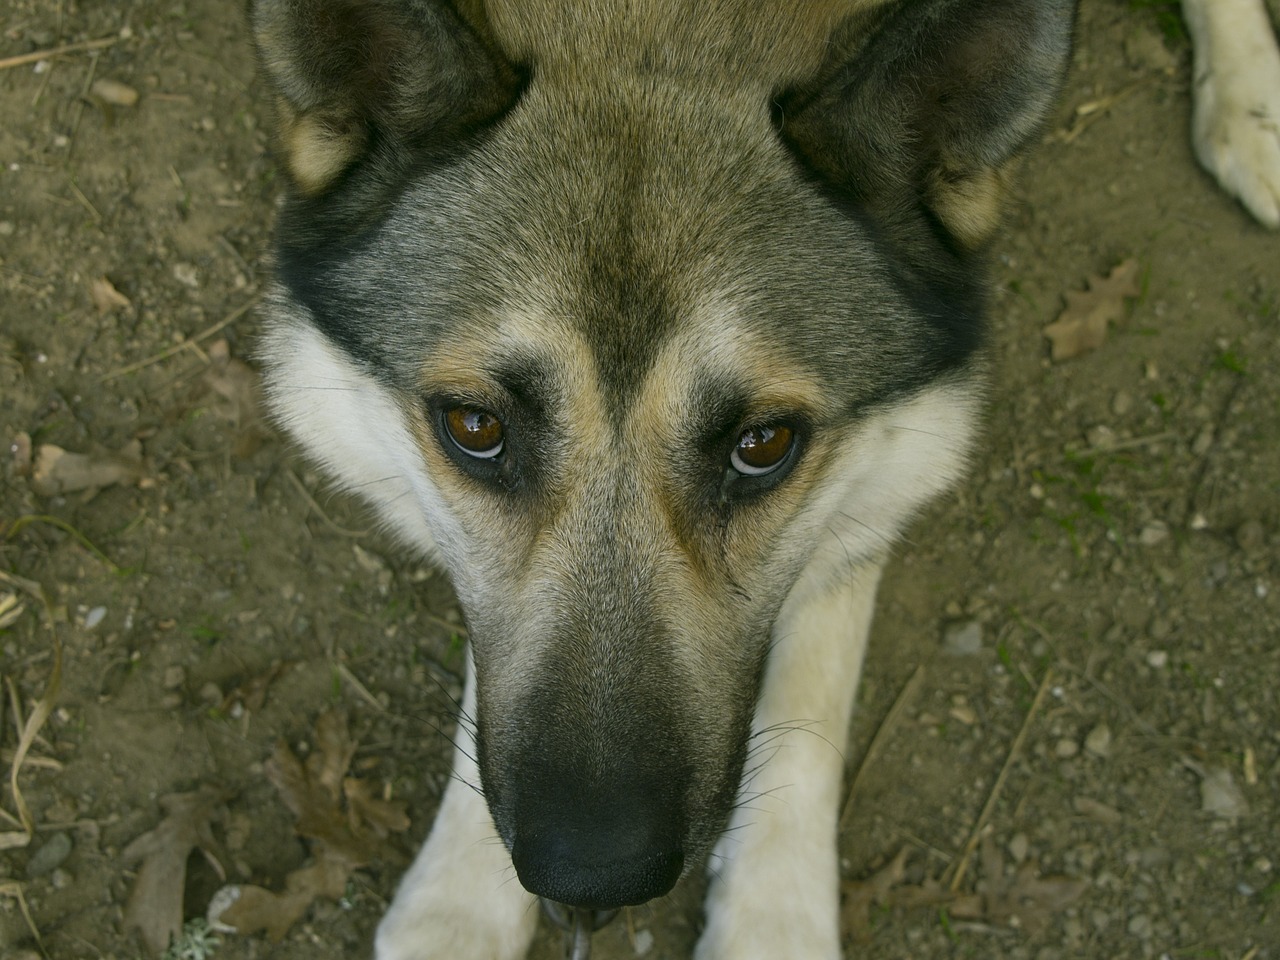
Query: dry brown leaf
[[106, 298], [328, 764], [314, 792], [252, 694], [859, 896], [235, 384], [155, 902], [1082, 325], [1025, 899], [233, 380], [382, 816], [254, 908], [57, 471]]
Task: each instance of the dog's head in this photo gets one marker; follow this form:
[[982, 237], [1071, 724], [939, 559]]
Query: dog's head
[[632, 320]]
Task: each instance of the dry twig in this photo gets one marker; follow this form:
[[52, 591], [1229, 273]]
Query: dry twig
[[11, 888], [186, 344], [962, 863], [891, 720], [37, 55]]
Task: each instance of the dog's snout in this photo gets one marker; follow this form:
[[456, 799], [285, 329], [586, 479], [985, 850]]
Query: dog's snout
[[620, 851]]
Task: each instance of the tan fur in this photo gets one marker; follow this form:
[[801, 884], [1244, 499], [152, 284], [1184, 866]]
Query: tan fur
[[763, 42], [971, 206], [317, 148]]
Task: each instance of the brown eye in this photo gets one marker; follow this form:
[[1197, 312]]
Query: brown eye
[[762, 450], [476, 433]]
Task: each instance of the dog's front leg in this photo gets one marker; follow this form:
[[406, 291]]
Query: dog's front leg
[[460, 900], [775, 874], [1236, 130]]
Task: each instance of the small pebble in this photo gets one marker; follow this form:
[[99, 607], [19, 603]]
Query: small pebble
[[210, 693], [114, 92], [1065, 749], [1100, 437], [1220, 796], [1019, 845], [1098, 741], [643, 942], [94, 617], [60, 879], [174, 677], [187, 275], [49, 856], [1141, 927], [1158, 659], [1154, 533], [963, 639]]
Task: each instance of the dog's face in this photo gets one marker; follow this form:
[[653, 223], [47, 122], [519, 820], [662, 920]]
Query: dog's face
[[633, 350]]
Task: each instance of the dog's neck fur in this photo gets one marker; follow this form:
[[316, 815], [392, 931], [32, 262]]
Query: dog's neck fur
[[769, 43]]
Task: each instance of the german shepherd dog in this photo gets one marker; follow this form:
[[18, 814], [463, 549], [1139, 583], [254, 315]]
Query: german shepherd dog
[[653, 323]]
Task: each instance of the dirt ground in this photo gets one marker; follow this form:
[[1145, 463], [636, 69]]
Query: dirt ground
[[1075, 667]]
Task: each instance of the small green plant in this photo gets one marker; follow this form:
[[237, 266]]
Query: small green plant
[[457, 645], [1230, 361], [1167, 18], [197, 942]]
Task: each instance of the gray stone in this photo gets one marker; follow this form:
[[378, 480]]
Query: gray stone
[[963, 639], [49, 856]]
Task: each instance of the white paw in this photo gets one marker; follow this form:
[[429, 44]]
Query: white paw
[[773, 936], [459, 901], [431, 924], [1236, 130], [773, 897]]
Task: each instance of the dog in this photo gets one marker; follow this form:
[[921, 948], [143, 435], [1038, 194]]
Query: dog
[[653, 324], [1235, 128]]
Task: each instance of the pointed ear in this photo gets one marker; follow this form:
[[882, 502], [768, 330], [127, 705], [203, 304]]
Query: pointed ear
[[386, 81], [928, 103]]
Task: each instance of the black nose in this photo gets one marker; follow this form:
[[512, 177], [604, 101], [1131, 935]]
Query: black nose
[[617, 851]]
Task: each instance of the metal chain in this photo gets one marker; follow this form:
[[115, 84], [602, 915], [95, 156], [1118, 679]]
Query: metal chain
[[578, 943], [578, 923]]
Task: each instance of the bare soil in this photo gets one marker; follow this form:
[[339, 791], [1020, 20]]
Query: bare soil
[[1095, 613]]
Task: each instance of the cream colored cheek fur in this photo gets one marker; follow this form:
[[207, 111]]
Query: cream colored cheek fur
[[350, 425]]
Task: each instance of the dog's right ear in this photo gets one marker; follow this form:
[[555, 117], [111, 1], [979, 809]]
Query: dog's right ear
[[385, 83], [924, 103]]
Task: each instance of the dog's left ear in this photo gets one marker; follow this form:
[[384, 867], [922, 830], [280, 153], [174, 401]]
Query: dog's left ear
[[926, 102], [365, 88]]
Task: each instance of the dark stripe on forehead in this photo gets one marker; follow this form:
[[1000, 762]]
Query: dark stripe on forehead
[[626, 312]]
